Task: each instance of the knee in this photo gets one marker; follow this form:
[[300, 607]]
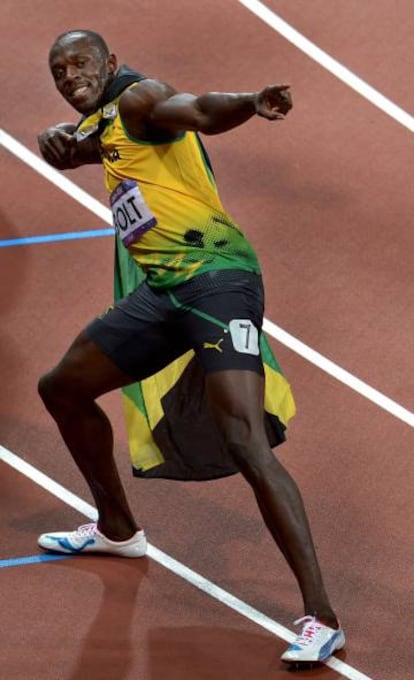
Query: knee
[[249, 448], [57, 387], [48, 388]]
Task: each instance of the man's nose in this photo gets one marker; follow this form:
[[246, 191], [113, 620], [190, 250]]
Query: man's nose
[[71, 72]]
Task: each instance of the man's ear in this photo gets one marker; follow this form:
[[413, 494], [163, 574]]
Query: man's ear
[[112, 64]]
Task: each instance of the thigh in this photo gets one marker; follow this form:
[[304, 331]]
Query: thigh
[[86, 370], [222, 315], [236, 400], [136, 333], [236, 395]]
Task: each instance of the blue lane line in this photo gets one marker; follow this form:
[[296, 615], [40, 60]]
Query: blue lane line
[[33, 559], [48, 238]]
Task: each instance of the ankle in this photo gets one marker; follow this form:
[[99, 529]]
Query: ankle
[[331, 622], [328, 618], [117, 532]]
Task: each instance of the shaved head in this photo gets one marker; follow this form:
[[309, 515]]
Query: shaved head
[[79, 34]]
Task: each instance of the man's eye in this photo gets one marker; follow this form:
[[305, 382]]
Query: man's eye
[[80, 63]]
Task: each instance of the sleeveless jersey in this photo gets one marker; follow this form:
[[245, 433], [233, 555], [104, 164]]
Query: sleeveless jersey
[[165, 200]]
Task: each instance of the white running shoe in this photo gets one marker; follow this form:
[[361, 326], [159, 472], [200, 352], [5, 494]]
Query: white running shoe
[[316, 642], [88, 539]]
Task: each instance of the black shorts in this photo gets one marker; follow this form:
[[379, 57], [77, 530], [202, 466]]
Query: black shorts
[[218, 314]]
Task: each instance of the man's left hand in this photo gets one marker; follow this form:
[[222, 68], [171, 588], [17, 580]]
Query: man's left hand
[[274, 102]]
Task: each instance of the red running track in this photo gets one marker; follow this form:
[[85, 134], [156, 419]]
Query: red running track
[[326, 198]]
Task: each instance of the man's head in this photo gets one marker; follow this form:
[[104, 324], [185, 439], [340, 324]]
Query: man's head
[[82, 66]]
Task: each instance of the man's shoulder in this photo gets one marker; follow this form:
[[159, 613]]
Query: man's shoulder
[[137, 104], [145, 91]]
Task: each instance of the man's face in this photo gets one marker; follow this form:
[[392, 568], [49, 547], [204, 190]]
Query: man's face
[[81, 72]]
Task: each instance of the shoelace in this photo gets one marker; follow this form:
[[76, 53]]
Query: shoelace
[[87, 529], [310, 629]]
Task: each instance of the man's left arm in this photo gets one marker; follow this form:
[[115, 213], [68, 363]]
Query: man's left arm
[[152, 107], [217, 112]]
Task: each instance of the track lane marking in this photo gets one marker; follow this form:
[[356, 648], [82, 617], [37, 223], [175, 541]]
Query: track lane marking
[[31, 559], [339, 373], [173, 565], [314, 357], [51, 238], [329, 63]]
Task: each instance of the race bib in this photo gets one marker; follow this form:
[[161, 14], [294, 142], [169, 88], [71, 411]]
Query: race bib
[[131, 215], [245, 336]]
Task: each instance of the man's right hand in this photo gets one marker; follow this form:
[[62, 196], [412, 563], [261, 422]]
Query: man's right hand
[[57, 145]]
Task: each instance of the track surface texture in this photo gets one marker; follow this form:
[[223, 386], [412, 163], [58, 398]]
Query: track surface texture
[[326, 197]]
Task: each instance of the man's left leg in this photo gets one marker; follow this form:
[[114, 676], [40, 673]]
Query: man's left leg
[[236, 399]]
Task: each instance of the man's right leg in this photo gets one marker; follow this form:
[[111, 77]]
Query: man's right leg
[[69, 392], [128, 343]]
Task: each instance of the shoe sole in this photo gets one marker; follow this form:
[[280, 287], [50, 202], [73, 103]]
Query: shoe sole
[[88, 549], [307, 663], [101, 553]]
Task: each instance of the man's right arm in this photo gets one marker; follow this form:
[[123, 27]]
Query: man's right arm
[[59, 147]]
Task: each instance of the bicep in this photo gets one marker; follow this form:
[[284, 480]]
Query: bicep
[[153, 105], [178, 112]]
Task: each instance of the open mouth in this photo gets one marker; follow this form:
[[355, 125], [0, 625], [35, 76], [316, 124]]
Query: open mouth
[[79, 92]]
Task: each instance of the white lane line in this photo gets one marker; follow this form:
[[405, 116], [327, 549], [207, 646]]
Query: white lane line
[[329, 63], [269, 327], [339, 373], [173, 565], [55, 177]]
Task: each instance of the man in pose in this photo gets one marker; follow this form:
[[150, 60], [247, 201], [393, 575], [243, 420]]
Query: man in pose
[[202, 291]]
